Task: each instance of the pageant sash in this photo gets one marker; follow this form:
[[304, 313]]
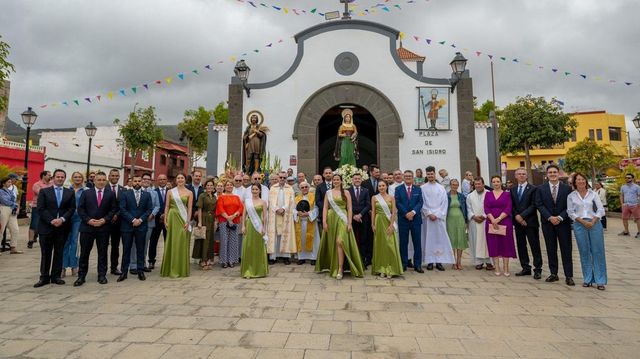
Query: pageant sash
[[255, 219], [386, 210], [181, 208], [336, 208]]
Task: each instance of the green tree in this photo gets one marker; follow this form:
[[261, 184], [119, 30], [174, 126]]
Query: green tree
[[140, 132], [533, 122], [587, 156], [481, 114], [194, 129], [5, 69], [221, 114]]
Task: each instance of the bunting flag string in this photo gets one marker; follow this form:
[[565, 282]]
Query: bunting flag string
[[385, 6]]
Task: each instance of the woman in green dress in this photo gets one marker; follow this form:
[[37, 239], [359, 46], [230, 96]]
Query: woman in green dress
[[338, 241], [175, 259], [203, 248], [457, 223], [346, 150], [254, 251], [386, 249]]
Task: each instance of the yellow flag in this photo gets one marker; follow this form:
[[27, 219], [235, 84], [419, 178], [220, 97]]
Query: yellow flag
[[232, 58], [401, 35], [168, 79], [286, 11], [110, 95]]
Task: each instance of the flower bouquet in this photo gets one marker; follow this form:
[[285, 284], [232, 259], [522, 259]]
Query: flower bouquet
[[347, 172]]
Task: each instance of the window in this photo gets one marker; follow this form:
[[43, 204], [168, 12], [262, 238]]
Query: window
[[521, 163], [599, 134], [544, 163], [181, 163], [615, 134], [174, 161], [550, 162], [573, 136], [163, 160], [592, 134]]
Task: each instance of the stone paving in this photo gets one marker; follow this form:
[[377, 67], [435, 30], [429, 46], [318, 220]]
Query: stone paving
[[295, 313]]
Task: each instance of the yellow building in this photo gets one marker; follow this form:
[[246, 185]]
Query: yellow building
[[605, 128]]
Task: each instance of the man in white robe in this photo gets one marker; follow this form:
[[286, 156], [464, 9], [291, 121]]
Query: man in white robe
[[477, 236], [307, 226], [280, 225], [436, 246]]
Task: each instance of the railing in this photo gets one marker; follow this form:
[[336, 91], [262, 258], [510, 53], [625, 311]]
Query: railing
[[21, 146]]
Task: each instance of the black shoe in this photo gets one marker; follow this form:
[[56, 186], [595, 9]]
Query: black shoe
[[141, 275], [552, 278], [419, 270], [147, 269], [116, 272], [272, 261], [58, 281], [152, 266], [410, 264], [40, 284], [439, 267], [78, 282], [523, 273], [30, 244], [313, 263], [122, 277], [287, 261], [102, 280], [537, 275], [429, 266], [133, 271], [300, 262], [570, 281]]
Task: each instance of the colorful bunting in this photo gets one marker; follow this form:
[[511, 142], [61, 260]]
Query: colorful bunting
[[88, 99]]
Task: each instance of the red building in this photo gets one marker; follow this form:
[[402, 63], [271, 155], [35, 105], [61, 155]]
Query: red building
[[168, 158], [12, 155]]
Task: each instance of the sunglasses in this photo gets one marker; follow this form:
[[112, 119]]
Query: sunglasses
[[238, 180], [283, 177], [628, 177]]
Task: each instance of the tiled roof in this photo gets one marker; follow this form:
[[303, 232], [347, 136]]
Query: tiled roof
[[406, 55]]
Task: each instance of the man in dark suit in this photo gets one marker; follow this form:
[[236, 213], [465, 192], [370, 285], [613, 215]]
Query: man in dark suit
[[322, 189], [371, 184], [96, 209], [135, 208], [361, 221], [197, 189], [161, 190], [551, 200], [526, 224], [409, 203], [114, 178], [56, 205]]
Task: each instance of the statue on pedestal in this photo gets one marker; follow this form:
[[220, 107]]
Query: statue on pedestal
[[254, 142], [346, 150]]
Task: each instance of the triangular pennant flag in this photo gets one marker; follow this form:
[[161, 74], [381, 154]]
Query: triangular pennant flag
[[313, 11], [110, 95], [232, 59], [417, 38], [76, 102], [158, 82], [554, 70], [503, 58], [263, 4], [43, 106], [279, 41], [208, 67], [441, 42], [55, 104], [122, 92], [244, 54], [256, 50], [515, 60], [583, 76], [478, 53], [181, 76], [252, 4], [134, 89], [295, 11], [65, 103], [146, 86], [428, 41], [88, 99], [567, 73], [270, 44], [277, 8], [99, 97], [286, 11], [195, 72], [490, 57], [398, 6], [628, 83], [221, 62], [385, 9], [453, 45], [541, 67], [168, 80]]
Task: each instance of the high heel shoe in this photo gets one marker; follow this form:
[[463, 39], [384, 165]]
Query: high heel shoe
[[339, 275]]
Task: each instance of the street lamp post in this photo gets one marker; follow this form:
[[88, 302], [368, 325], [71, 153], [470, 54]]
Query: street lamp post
[[241, 70], [90, 129], [458, 65], [29, 119]]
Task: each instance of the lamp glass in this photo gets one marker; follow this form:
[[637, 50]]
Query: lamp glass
[[29, 117], [242, 70], [636, 121], [90, 129], [458, 64]]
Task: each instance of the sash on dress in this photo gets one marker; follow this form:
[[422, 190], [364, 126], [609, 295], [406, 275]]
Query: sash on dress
[[255, 219], [336, 208], [181, 208], [385, 209]]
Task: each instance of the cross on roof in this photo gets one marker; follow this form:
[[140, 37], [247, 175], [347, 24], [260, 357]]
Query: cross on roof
[[346, 15]]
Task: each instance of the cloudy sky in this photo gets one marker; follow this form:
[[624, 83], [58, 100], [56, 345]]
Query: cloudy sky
[[68, 50]]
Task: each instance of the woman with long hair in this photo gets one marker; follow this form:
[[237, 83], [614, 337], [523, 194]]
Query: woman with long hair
[[338, 241], [206, 205], [254, 251], [456, 222], [229, 211], [585, 208], [499, 227], [386, 260], [177, 215], [70, 251]]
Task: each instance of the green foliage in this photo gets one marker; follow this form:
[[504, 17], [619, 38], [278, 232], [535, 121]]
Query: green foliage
[[481, 114], [221, 114], [140, 132], [613, 189], [590, 158], [194, 128], [5, 69]]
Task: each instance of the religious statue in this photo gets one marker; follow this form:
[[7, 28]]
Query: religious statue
[[434, 106], [346, 150], [254, 142]]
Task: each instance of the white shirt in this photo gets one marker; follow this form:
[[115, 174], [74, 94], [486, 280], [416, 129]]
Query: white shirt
[[392, 188], [578, 207]]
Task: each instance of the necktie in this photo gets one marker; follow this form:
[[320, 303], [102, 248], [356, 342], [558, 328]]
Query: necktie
[[554, 193], [409, 192], [114, 189], [137, 193], [375, 185], [59, 195], [99, 197], [162, 193], [520, 190], [357, 193]]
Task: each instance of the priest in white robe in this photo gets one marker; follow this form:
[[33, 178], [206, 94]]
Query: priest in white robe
[[280, 224], [436, 246], [307, 234], [477, 233]]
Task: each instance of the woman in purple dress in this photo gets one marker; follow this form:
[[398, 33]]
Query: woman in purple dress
[[497, 206]]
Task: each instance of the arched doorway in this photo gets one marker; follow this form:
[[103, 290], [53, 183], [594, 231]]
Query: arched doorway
[[328, 130], [383, 114]]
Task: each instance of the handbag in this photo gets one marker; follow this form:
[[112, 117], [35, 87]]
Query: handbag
[[199, 232], [501, 231]]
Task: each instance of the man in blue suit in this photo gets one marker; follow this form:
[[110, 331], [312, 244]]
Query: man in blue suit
[[96, 208], [135, 208], [409, 203], [151, 224], [161, 192]]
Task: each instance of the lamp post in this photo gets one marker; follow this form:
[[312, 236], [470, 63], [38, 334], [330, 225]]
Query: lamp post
[[29, 119], [242, 72], [458, 65], [90, 129]]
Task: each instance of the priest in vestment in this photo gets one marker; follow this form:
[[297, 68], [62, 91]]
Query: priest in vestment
[[280, 224], [436, 246], [307, 235], [477, 236]]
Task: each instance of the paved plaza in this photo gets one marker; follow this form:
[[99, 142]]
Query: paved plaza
[[296, 313]]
